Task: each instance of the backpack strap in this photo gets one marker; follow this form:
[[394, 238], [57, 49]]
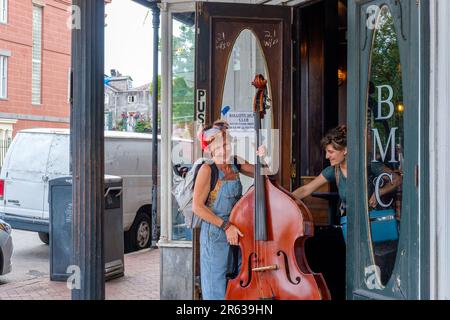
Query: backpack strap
[[237, 164], [214, 175]]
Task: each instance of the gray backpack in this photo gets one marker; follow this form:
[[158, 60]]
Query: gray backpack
[[183, 191]]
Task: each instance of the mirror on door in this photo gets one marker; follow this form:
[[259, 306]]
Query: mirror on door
[[246, 61], [385, 146]]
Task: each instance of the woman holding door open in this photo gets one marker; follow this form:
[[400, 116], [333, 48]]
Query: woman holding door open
[[335, 146]]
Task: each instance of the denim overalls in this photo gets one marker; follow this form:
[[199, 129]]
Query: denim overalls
[[214, 248]]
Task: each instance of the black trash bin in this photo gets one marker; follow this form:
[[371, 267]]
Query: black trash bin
[[60, 206]]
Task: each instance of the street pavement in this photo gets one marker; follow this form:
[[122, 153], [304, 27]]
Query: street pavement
[[30, 280], [30, 258]]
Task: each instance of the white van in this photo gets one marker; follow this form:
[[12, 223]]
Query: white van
[[39, 155]]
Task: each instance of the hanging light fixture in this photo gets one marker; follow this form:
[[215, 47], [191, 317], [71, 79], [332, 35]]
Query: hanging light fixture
[[342, 76]]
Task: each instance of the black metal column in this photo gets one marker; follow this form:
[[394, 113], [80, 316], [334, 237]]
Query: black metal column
[[87, 149], [156, 23]]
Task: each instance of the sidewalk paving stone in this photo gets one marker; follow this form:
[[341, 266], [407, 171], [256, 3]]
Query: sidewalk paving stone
[[141, 282]]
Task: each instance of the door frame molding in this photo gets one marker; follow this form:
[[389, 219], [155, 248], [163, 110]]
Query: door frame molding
[[207, 12], [439, 150]]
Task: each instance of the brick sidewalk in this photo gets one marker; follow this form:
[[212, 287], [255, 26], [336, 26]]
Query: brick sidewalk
[[141, 282]]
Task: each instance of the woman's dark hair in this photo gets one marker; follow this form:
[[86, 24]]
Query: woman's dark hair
[[336, 137]]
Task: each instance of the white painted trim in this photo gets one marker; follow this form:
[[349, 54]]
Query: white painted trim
[[175, 244], [5, 53], [8, 121], [167, 9], [5, 8], [4, 77], [5, 131], [169, 115], [40, 3], [31, 117], [6, 128], [181, 6], [439, 150], [165, 127]]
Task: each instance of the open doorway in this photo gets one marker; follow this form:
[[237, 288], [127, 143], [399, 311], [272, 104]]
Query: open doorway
[[317, 103], [320, 104]]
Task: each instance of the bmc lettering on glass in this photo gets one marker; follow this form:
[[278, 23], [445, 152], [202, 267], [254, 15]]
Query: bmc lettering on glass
[[384, 105]]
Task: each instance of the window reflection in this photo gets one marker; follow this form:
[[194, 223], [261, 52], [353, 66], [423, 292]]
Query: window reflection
[[385, 145], [183, 83]]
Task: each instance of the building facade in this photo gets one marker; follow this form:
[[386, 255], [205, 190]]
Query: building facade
[[35, 53], [125, 105]]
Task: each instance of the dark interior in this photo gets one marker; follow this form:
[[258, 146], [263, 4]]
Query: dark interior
[[320, 102]]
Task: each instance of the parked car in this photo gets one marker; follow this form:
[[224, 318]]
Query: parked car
[[39, 155], [6, 248]]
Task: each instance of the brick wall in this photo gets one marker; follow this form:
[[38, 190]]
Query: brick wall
[[16, 37], [25, 124]]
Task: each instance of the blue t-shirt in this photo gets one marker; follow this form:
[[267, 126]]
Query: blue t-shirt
[[330, 174]]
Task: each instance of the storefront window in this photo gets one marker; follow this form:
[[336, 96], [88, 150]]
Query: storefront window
[[183, 83], [385, 145]]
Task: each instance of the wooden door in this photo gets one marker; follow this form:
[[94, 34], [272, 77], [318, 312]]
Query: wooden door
[[219, 28]]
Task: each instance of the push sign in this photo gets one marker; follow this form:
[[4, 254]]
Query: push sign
[[201, 106]]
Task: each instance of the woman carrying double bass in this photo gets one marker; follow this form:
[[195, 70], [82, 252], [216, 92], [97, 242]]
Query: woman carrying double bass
[[214, 208], [268, 224]]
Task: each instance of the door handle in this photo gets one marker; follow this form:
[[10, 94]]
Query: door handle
[[293, 171]]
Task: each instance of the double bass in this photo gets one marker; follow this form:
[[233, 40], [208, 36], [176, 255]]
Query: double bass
[[275, 227]]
